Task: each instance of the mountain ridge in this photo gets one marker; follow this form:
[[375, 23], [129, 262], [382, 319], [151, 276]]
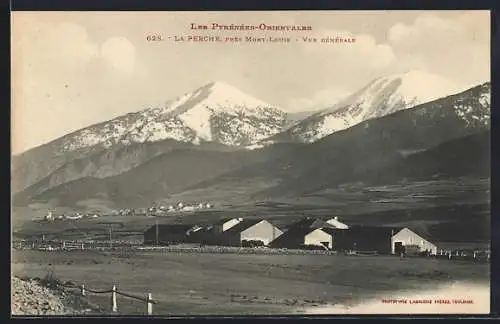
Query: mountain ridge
[[380, 97], [213, 113], [370, 146]]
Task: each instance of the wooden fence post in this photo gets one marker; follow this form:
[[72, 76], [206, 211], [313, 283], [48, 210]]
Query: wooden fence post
[[114, 307], [83, 289], [149, 305]]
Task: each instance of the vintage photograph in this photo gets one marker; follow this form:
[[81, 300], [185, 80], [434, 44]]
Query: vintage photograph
[[250, 163]]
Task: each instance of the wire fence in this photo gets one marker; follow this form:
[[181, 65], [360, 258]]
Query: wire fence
[[148, 300], [476, 255]]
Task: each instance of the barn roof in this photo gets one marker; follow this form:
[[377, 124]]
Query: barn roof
[[222, 221], [243, 225], [419, 233], [313, 222], [293, 233]]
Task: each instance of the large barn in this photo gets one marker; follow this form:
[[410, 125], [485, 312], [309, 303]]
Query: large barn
[[405, 240], [300, 236], [383, 240], [250, 232], [163, 234]]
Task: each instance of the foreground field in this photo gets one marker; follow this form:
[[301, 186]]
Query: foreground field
[[225, 284]]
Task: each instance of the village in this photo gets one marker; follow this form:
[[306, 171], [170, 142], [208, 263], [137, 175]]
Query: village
[[154, 210]]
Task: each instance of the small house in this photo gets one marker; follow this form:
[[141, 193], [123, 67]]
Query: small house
[[251, 232]]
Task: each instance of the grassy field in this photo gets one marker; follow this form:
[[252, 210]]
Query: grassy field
[[225, 284]]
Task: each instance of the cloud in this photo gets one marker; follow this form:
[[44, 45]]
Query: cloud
[[363, 52], [319, 100], [59, 70], [119, 53], [456, 46]]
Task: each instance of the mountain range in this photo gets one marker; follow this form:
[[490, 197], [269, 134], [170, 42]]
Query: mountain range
[[409, 126], [381, 97]]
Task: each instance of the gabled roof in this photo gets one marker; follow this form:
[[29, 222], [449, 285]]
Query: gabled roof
[[293, 233], [243, 225], [222, 221], [419, 233], [335, 223]]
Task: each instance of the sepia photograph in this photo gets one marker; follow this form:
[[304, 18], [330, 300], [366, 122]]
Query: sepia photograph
[[225, 163]]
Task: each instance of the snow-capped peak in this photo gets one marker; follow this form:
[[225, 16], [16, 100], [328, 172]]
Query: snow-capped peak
[[381, 97], [218, 96], [389, 94], [420, 87], [215, 112]]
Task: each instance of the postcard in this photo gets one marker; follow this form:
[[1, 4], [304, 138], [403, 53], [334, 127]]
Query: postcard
[[250, 163]]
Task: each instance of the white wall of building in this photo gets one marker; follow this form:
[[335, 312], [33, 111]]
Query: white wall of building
[[317, 236], [408, 237], [262, 231]]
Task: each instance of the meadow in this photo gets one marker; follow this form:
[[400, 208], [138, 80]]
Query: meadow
[[238, 284]]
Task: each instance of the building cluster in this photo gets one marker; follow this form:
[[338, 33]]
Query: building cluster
[[307, 233], [162, 209], [50, 216], [180, 207]]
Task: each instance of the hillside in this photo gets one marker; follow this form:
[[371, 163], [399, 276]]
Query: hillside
[[383, 150], [469, 155], [377, 143], [155, 179], [368, 148], [216, 113], [103, 163]]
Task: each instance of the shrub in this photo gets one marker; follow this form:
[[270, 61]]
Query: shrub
[[50, 279]]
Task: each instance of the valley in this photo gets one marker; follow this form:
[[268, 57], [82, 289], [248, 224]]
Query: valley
[[401, 158]]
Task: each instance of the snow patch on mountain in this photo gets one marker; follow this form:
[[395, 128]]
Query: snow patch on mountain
[[381, 97], [215, 112], [475, 111]]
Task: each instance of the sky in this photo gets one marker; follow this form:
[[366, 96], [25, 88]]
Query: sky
[[74, 69]]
